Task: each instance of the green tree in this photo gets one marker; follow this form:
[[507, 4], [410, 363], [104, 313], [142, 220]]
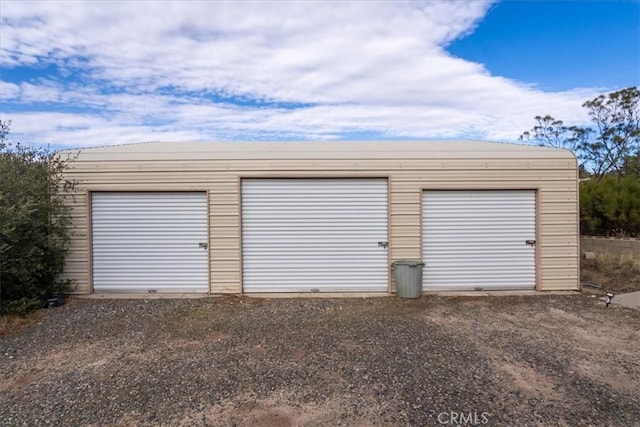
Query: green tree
[[608, 144], [631, 166], [610, 207], [33, 223], [549, 132]]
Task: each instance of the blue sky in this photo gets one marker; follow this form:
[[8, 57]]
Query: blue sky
[[559, 45], [79, 74]]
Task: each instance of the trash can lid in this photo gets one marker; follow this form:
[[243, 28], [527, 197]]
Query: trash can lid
[[409, 262]]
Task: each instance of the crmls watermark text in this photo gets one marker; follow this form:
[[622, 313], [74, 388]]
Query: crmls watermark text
[[455, 418]]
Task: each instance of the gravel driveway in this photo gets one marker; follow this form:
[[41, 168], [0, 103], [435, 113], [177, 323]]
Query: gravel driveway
[[537, 360]]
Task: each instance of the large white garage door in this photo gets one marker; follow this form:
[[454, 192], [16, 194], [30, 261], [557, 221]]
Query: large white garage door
[[150, 242], [314, 235], [479, 240]]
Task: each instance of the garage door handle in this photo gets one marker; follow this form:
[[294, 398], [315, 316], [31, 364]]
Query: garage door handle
[[530, 242], [383, 244], [203, 245]]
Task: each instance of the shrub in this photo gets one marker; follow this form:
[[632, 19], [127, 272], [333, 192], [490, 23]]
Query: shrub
[[21, 306], [33, 224]]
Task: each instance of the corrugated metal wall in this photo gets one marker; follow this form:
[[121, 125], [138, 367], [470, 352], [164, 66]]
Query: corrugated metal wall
[[555, 179], [479, 240], [318, 235]]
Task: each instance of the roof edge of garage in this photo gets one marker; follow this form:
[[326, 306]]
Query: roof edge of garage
[[320, 150]]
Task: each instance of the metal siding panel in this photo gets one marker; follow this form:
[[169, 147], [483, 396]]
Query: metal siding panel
[[149, 241], [476, 239], [409, 173], [305, 234], [75, 268], [248, 151]]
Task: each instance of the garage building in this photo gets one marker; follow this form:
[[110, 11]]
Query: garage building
[[323, 217]]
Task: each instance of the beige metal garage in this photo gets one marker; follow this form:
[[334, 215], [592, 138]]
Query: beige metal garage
[[322, 216]]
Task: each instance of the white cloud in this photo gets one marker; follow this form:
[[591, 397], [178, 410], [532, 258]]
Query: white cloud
[[369, 67], [8, 90]]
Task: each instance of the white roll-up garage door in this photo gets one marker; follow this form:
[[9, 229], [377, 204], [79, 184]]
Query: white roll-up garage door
[[314, 235], [150, 242], [479, 240]]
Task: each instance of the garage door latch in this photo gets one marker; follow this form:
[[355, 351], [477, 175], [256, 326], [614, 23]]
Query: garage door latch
[[203, 245], [530, 242]]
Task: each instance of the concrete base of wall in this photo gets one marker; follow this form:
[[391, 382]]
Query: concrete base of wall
[[317, 295], [498, 293], [135, 295]]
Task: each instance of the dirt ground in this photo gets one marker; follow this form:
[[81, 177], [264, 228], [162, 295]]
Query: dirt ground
[[537, 360], [614, 273]]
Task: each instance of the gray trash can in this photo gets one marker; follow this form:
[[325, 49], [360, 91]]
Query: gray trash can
[[408, 276]]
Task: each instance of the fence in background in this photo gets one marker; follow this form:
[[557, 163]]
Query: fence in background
[[610, 245]]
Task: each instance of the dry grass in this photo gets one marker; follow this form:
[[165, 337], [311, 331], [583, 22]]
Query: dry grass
[[13, 322], [617, 273]]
